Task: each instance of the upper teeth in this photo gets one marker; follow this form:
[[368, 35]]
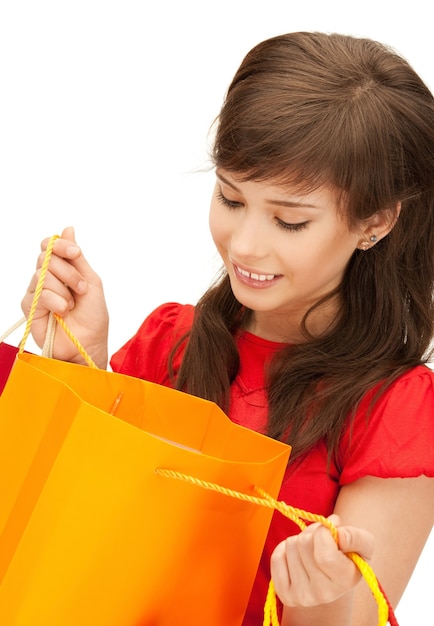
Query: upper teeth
[[256, 276]]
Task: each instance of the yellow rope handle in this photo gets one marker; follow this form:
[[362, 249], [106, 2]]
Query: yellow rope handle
[[297, 516], [38, 290], [270, 607], [75, 341]]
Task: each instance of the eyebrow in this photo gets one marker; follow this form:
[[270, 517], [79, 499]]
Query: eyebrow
[[285, 203]]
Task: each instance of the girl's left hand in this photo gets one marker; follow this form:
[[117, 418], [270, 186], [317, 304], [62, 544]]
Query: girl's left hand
[[310, 569]]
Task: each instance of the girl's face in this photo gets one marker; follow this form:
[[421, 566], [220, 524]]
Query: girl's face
[[283, 251]]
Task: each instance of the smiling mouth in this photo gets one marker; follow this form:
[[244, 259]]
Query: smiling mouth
[[253, 276]]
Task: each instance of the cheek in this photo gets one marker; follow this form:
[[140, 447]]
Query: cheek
[[323, 257], [212, 225], [335, 257], [216, 224]]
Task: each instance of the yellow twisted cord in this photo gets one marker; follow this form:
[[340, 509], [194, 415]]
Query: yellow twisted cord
[[38, 291], [36, 296], [297, 516], [75, 341], [270, 607], [372, 581]]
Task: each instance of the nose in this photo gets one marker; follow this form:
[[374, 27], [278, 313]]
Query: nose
[[249, 238]]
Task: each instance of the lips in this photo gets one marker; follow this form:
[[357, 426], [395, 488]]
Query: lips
[[255, 279], [253, 276]]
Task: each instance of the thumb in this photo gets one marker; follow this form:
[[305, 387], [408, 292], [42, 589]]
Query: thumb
[[352, 539], [69, 233]]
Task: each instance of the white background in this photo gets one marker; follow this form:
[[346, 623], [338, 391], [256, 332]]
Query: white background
[[105, 108]]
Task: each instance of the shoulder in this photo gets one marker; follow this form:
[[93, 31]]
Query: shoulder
[[392, 433], [170, 316], [416, 375], [146, 354], [408, 396], [414, 386]]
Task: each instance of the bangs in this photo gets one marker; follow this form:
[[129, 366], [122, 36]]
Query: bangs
[[294, 117], [307, 145]]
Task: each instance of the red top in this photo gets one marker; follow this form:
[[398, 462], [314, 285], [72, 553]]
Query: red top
[[397, 441]]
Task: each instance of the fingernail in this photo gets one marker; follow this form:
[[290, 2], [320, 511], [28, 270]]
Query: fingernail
[[82, 286], [72, 250]]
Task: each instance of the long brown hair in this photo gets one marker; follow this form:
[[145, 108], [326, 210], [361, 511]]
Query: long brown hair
[[312, 109]]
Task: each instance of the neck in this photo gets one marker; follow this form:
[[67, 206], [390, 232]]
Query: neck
[[286, 327]]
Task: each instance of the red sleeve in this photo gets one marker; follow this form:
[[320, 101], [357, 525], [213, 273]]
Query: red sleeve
[[146, 354], [395, 439]]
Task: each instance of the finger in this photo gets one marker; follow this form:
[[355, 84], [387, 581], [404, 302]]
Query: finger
[[352, 539], [54, 302], [55, 296], [299, 574], [279, 563], [358, 540], [327, 569], [51, 282], [64, 271], [65, 247], [69, 233], [280, 574], [334, 519], [321, 572], [297, 579]]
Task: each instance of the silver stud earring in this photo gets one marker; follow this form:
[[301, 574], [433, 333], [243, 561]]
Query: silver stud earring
[[373, 238]]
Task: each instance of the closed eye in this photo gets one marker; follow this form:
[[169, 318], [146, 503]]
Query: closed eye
[[292, 227], [230, 204], [233, 204]]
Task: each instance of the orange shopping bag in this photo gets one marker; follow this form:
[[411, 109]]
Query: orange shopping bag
[[91, 534]]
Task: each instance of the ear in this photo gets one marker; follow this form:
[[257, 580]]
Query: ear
[[378, 226]]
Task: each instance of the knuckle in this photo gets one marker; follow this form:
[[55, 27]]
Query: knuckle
[[278, 553], [326, 560], [40, 259], [304, 540]]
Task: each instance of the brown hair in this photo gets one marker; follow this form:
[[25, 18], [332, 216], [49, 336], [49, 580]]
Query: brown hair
[[311, 109]]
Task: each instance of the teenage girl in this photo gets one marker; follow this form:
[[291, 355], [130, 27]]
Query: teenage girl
[[318, 330]]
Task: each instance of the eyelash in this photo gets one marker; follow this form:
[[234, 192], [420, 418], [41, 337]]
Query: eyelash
[[283, 225], [294, 228], [227, 203]]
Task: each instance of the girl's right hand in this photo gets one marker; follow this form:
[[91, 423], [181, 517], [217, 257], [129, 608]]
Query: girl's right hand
[[74, 292]]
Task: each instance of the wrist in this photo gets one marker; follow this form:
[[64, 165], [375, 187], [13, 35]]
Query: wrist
[[337, 613]]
